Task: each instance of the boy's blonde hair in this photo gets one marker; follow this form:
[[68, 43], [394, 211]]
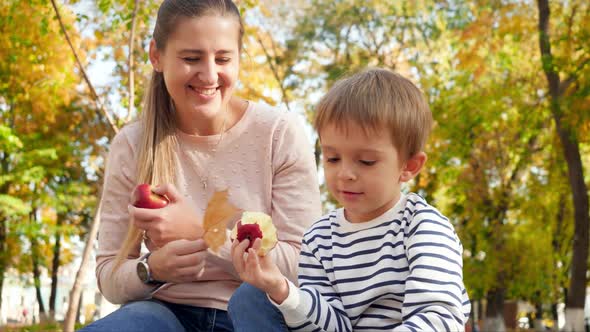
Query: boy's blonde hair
[[374, 99]]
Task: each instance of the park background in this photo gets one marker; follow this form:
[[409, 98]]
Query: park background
[[508, 83]]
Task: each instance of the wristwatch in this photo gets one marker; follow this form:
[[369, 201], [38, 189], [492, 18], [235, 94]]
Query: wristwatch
[[143, 271]]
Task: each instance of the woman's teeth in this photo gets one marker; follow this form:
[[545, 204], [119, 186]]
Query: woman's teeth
[[207, 92]]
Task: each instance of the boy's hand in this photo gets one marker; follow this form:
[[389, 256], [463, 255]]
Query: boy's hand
[[260, 272]]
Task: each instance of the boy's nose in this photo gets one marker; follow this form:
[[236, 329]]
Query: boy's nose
[[346, 174]]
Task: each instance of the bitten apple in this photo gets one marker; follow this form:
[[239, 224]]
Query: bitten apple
[[250, 232], [144, 198], [255, 225]]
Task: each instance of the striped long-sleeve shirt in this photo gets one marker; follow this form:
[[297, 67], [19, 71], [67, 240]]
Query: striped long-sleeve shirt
[[399, 272]]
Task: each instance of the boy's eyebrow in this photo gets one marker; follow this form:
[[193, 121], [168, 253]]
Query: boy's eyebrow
[[197, 51], [327, 147]]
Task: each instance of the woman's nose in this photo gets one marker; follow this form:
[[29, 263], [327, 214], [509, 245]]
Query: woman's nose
[[208, 72]]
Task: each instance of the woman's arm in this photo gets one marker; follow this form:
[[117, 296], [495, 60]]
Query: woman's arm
[[122, 285]]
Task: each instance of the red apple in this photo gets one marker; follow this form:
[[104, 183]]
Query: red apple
[[144, 198], [250, 232]]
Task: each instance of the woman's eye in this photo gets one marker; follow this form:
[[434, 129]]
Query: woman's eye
[[368, 162], [223, 60], [332, 160]]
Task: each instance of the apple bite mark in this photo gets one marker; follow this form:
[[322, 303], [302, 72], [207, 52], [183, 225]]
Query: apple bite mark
[[144, 198], [263, 223], [250, 232]]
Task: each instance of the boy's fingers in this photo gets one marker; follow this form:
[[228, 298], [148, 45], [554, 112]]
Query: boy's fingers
[[253, 260], [257, 244], [234, 244], [238, 255]]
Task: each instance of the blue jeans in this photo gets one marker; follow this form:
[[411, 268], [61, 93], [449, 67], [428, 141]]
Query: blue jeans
[[251, 311], [156, 315], [249, 308]]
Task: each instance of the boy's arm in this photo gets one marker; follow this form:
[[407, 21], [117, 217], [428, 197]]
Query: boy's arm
[[315, 304], [435, 297]]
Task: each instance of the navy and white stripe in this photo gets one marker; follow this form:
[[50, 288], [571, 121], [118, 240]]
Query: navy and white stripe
[[400, 272]]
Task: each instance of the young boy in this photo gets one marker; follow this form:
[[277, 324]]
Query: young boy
[[386, 260]]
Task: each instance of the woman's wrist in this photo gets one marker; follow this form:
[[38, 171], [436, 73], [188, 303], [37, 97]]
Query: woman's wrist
[[151, 262]]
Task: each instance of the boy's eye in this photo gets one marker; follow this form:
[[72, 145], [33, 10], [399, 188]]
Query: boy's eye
[[332, 160], [368, 162], [223, 60], [191, 59]]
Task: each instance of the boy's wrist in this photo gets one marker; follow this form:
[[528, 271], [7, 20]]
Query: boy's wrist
[[280, 293]]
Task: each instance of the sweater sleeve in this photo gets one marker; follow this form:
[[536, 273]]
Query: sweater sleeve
[[122, 285], [435, 295], [316, 305]]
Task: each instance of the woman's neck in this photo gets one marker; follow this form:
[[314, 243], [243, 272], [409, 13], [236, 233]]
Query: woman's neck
[[226, 118]]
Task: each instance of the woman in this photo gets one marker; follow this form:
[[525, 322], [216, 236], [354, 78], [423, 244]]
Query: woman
[[194, 138]]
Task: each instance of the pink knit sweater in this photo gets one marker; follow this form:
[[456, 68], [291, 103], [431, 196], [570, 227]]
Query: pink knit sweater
[[267, 164]]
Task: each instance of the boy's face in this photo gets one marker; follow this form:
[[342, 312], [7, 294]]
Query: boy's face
[[363, 172]]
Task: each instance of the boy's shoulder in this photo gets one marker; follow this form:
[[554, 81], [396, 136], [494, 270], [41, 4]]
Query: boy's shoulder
[[323, 224], [420, 214], [416, 205]]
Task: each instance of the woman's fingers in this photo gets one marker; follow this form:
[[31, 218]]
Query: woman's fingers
[[144, 215], [168, 190]]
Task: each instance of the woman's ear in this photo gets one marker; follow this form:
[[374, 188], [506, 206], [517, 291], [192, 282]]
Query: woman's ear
[[155, 56], [413, 166]]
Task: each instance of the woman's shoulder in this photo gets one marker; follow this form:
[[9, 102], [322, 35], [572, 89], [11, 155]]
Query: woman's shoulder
[[271, 116], [128, 136]]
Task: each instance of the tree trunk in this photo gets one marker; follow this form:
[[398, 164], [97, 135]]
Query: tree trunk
[[494, 320], [76, 291], [55, 267], [317, 152], [577, 289], [4, 164], [37, 278], [538, 323], [3, 256]]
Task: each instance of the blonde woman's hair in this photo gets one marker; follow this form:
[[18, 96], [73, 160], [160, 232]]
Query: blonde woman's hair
[[374, 99], [156, 161]]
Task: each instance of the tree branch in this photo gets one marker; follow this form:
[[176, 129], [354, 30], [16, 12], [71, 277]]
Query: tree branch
[[573, 77], [130, 62], [274, 71], [97, 100]]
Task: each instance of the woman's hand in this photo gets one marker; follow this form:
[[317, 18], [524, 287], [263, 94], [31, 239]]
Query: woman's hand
[[177, 220], [260, 272], [178, 261]]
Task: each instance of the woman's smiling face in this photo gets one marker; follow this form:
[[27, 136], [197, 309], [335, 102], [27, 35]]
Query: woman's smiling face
[[200, 64]]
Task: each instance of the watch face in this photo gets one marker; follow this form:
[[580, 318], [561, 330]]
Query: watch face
[[142, 272]]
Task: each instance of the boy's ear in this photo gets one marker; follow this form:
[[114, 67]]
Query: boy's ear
[[154, 54], [413, 166]]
